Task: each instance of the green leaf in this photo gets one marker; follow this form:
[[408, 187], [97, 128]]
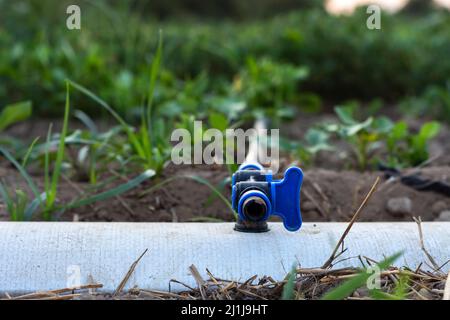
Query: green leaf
[[348, 287], [87, 121], [429, 130], [289, 287], [399, 131], [22, 171], [401, 288], [14, 113], [218, 121], [382, 124], [353, 129], [317, 140], [345, 114], [97, 99], [28, 153]]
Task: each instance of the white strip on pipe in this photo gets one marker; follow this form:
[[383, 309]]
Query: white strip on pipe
[[44, 256]]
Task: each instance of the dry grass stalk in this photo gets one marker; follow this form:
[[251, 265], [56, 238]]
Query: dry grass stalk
[[128, 275], [52, 294], [334, 255]]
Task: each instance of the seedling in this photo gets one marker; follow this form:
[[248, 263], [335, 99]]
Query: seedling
[[364, 137], [52, 180], [18, 204], [98, 150], [315, 140], [408, 149]]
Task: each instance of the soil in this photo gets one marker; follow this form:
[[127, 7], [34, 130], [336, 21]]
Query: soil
[[330, 191]]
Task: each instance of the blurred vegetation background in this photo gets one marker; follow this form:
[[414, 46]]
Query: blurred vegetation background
[[266, 53]]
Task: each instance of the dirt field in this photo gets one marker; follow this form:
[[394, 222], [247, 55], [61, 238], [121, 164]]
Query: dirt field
[[330, 191]]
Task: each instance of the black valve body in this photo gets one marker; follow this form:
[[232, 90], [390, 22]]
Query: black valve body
[[250, 180]]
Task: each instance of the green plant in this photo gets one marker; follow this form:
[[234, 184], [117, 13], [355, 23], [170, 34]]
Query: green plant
[[14, 113], [364, 137], [398, 293], [95, 151], [269, 85], [336, 50], [18, 203], [406, 148], [52, 179], [19, 206], [314, 141], [149, 143], [289, 287], [349, 286]]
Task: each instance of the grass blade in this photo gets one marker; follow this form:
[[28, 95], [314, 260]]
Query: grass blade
[[131, 135], [32, 207], [47, 158], [28, 153], [348, 287], [113, 192], [289, 287], [97, 99], [22, 171], [87, 121], [51, 194], [154, 72]]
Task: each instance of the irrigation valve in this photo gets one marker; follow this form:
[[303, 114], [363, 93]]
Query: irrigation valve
[[256, 197]]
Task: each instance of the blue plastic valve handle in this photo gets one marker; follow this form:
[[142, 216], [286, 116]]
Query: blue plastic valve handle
[[286, 198], [282, 197]]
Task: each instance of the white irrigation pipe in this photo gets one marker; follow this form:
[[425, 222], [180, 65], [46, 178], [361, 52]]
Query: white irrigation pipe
[[42, 256]]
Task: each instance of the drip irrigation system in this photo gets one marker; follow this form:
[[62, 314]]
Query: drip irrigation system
[[256, 195], [37, 256], [50, 255]]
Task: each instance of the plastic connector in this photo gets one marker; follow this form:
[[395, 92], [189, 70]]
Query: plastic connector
[[256, 197]]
